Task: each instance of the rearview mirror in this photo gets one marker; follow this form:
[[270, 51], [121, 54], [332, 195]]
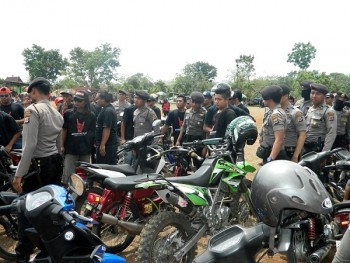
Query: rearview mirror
[[76, 184]]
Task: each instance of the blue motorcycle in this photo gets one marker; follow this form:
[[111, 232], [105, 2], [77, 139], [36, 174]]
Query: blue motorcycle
[[59, 232]]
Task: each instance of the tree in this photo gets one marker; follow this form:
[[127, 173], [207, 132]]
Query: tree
[[39, 62], [243, 73], [138, 81], [301, 55], [200, 71], [94, 68]]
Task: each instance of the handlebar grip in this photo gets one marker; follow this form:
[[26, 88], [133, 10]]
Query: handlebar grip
[[67, 217], [6, 209], [195, 155], [153, 157]]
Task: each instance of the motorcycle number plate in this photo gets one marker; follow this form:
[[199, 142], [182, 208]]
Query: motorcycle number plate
[[88, 207]]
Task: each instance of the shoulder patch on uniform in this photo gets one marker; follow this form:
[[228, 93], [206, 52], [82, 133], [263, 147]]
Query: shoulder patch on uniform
[[27, 115], [330, 116], [274, 117], [299, 116]]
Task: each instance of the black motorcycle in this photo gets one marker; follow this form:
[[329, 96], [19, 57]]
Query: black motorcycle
[[295, 213]]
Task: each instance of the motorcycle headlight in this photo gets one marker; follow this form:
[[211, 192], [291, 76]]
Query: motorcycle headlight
[[37, 200]]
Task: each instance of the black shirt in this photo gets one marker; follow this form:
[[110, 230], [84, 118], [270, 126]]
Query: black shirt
[[209, 117], [107, 119], [243, 107], [8, 128], [157, 111], [175, 119], [16, 110], [128, 119], [80, 132], [221, 120]]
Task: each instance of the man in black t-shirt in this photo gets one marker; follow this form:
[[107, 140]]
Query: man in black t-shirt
[[223, 114], [151, 104], [175, 118], [78, 129], [236, 99], [16, 110], [127, 130], [106, 130], [9, 131]]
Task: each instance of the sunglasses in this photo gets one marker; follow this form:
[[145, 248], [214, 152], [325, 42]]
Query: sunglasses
[[4, 96], [77, 100]]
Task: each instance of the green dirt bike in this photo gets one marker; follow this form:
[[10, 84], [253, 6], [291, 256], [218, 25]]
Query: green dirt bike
[[216, 196]]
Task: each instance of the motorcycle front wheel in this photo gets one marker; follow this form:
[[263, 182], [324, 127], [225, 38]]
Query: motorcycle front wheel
[[8, 237], [163, 236]]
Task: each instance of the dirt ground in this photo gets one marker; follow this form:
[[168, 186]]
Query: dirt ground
[[130, 252]]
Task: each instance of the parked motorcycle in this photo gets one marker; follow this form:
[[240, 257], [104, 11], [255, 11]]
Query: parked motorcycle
[[58, 231], [208, 201], [295, 210], [7, 169]]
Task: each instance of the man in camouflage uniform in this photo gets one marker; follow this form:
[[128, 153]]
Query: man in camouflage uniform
[[321, 119], [192, 128], [120, 104], [296, 127], [343, 122], [305, 103], [274, 126]]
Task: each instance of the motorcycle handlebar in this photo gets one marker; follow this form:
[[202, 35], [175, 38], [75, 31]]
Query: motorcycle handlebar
[[67, 217], [7, 209], [195, 155]]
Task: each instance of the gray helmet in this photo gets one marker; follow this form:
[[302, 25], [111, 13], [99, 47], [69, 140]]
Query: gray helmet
[[284, 185], [242, 130]]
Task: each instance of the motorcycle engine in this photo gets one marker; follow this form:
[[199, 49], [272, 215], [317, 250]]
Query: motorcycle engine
[[220, 218]]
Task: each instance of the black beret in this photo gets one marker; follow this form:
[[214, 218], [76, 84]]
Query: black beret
[[342, 95], [285, 89], [319, 87], [268, 92], [197, 97], [41, 84], [142, 94], [306, 84]]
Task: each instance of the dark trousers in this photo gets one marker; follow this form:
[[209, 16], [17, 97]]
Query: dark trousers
[[289, 151], [110, 157], [50, 172], [282, 155]]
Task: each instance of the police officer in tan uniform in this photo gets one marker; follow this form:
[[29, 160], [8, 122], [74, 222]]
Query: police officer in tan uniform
[[192, 128], [41, 128], [343, 122], [305, 103], [321, 122], [143, 116], [296, 127], [274, 126]]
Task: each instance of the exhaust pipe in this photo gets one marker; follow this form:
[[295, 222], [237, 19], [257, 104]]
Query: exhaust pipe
[[320, 254], [131, 227]]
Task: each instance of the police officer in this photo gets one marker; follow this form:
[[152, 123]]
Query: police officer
[[143, 115], [329, 99], [296, 127], [42, 126], [321, 119], [274, 126], [121, 104], [192, 128], [305, 103], [343, 122]]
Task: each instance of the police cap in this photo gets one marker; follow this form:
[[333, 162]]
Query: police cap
[[197, 97], [41, 84], [330, 95], [66, 92], [122, 92], [270, 92], [342, 95], [319, 87], [142, 94], [306, 84], [285, 89], [207, 94]]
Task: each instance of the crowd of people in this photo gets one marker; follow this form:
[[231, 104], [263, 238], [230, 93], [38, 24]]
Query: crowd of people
[[88, 126]]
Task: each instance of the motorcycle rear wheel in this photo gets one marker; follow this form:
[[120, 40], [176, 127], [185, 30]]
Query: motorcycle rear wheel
[[115, 238], [298, 251], [8, 238], [165, 234]]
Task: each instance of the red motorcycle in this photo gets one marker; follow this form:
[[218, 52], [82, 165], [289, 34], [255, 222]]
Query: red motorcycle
[[123, 202]]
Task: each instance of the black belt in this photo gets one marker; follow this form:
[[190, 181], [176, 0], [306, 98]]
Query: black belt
[[290, 148]]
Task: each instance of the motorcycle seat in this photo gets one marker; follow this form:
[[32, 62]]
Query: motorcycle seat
[[128, 183], [341, 205], [343, 155], [200, 177], [126, 169]]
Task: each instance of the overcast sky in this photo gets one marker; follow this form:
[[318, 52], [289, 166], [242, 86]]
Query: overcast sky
[[159, 37]]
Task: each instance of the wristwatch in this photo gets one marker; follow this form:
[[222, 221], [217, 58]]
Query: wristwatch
[[269, 159]]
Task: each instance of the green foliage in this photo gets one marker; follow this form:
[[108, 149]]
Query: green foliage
[[301, 55], [94, 68], [138, 81], [44, 63], [242, 75], [200, 71]]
